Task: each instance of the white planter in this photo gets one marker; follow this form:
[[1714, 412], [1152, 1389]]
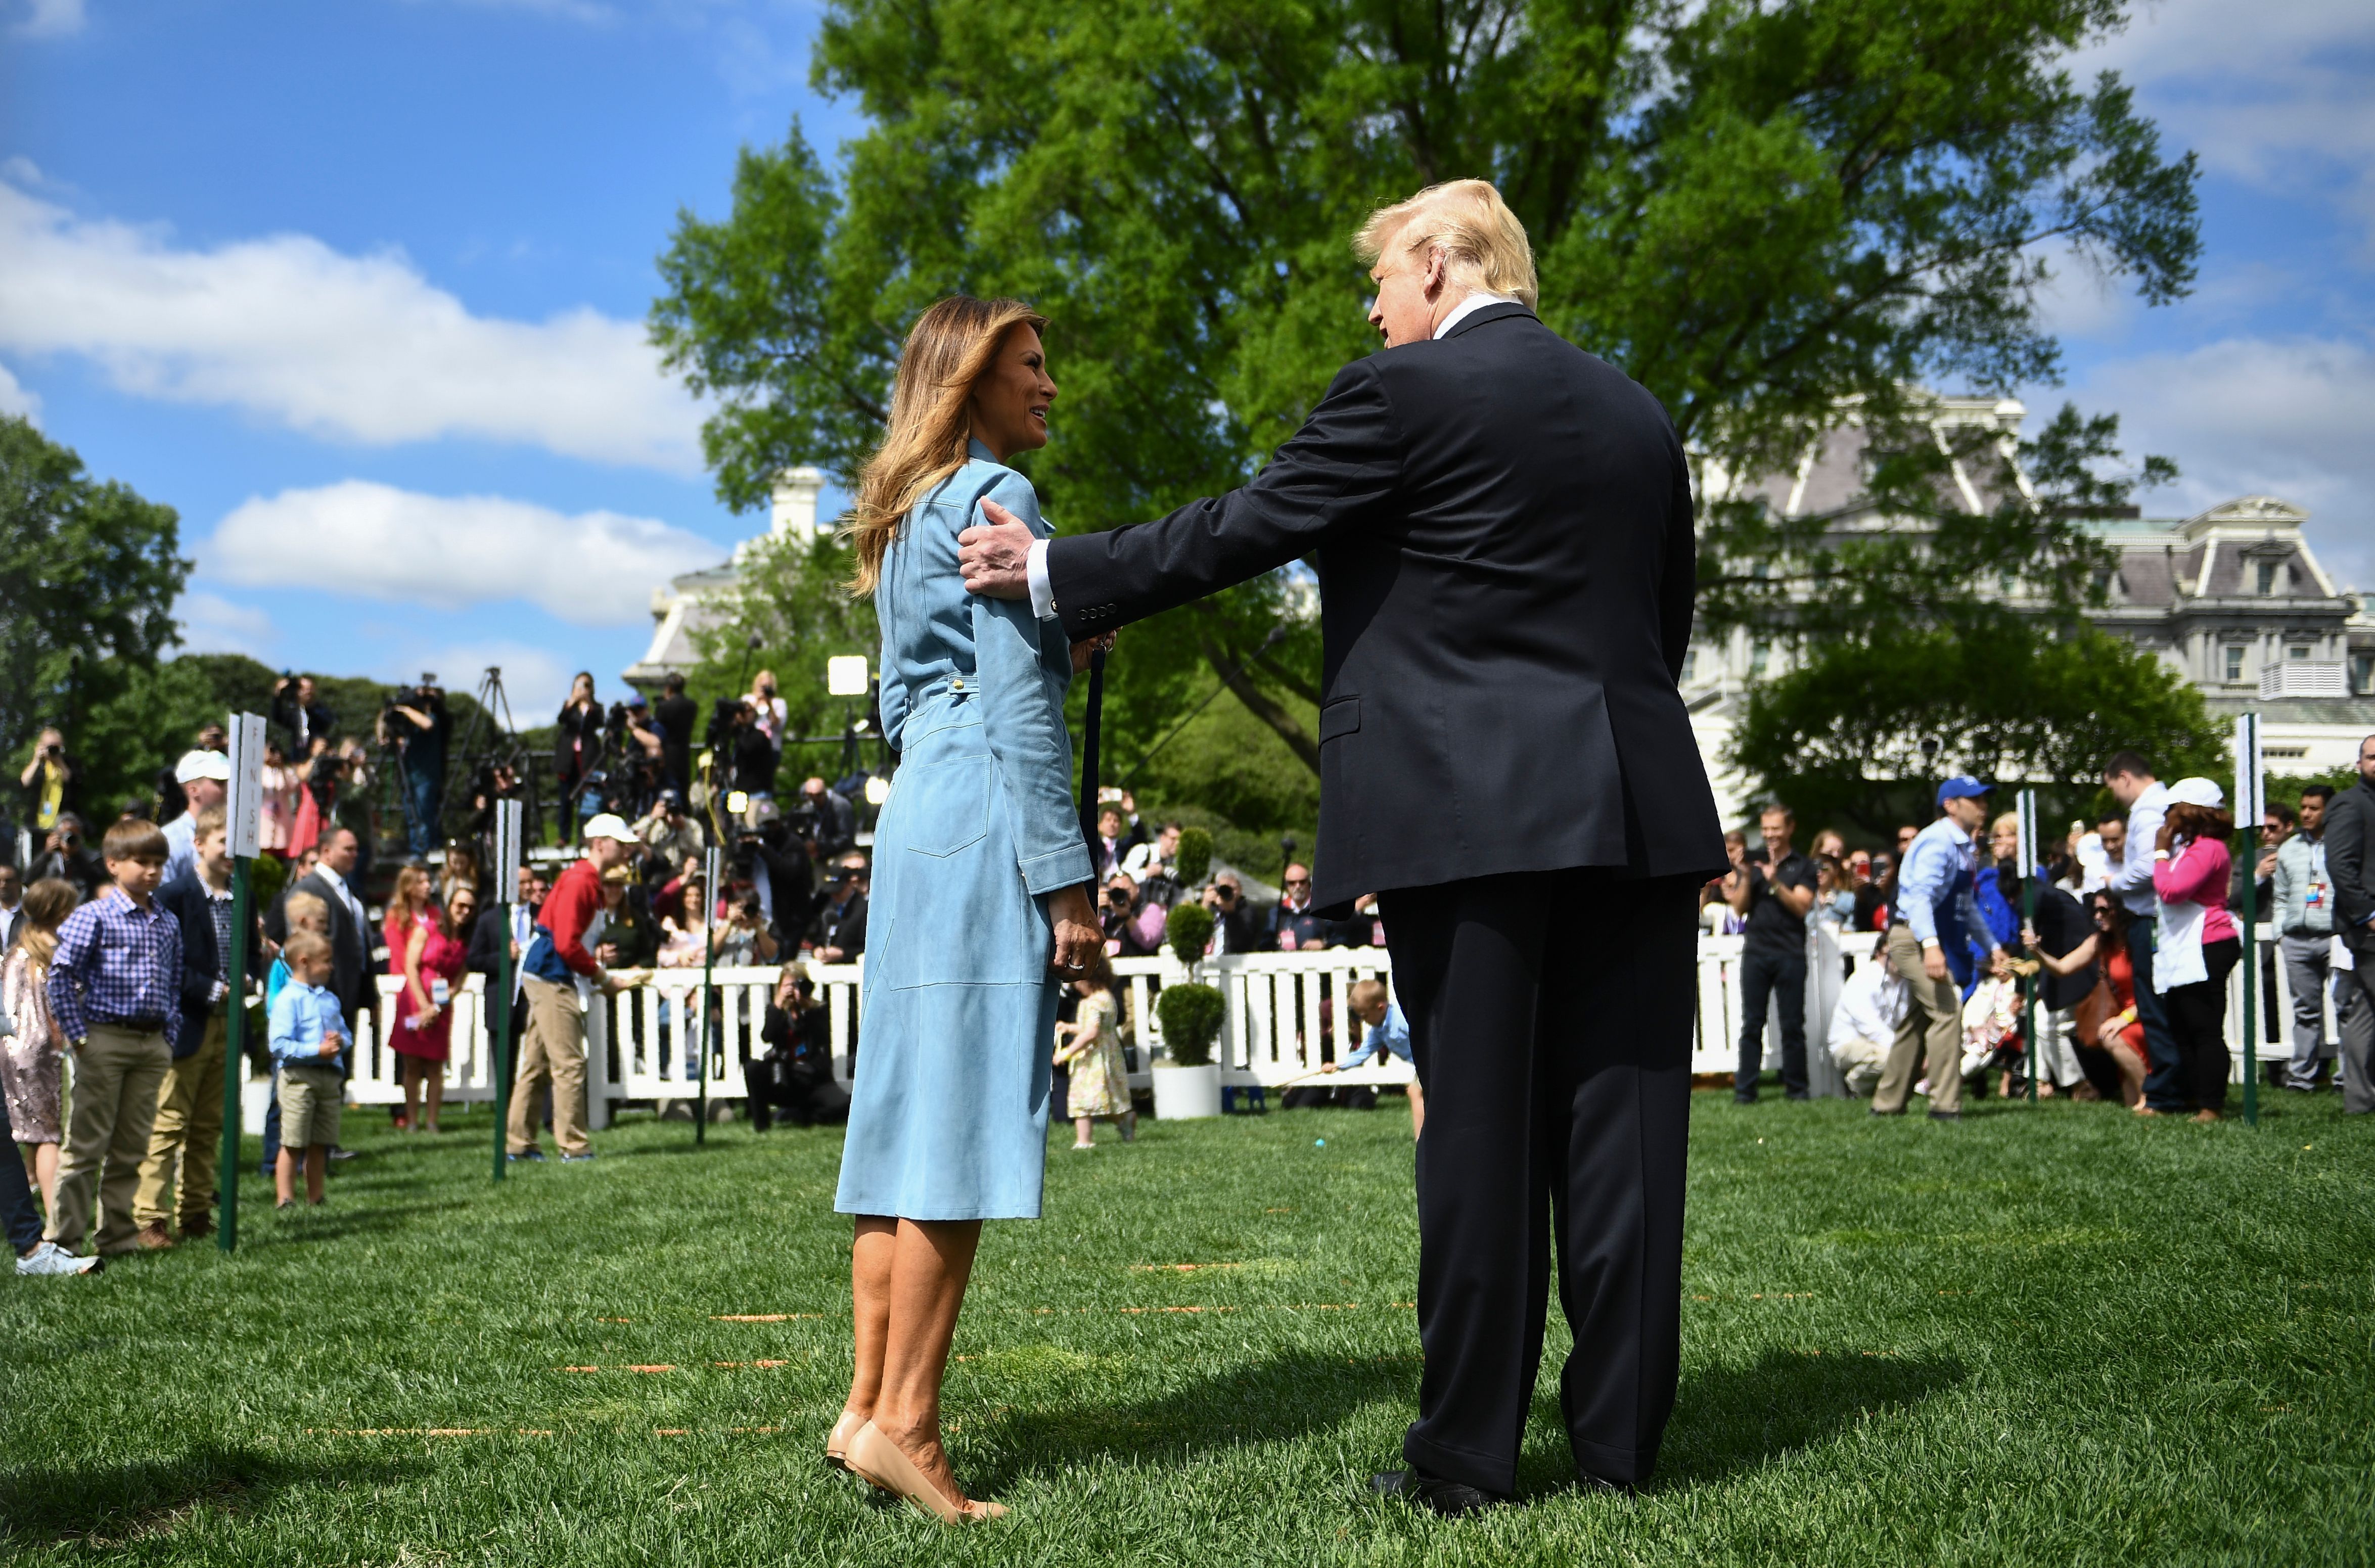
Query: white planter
[[1182, 1092]]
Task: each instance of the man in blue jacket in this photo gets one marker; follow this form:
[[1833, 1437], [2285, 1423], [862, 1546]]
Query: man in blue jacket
[[188, 1134]]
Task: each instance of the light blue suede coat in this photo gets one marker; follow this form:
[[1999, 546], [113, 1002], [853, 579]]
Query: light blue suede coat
[[949, 1114]]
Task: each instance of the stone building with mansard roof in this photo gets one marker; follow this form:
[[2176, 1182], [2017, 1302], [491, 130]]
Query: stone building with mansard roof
[[2233, 599], [688, 604]]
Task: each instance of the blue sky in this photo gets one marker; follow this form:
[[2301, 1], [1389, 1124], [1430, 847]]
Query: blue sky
[[359, 288]]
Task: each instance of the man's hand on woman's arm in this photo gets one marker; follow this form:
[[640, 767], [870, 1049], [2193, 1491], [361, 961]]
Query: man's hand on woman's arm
[[996, 555]]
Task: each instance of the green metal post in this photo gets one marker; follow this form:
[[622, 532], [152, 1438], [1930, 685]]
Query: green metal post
[[2029, 984], [499, 1042], [234, 1057]]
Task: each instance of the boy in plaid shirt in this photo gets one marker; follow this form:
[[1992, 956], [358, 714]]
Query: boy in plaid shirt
[[115, 990]]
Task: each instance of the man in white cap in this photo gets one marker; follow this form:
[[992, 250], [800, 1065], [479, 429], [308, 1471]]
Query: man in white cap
[[553, 1049], [205, 778]]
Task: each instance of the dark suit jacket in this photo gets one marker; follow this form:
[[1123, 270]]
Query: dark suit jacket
[[350, 980], [844, 927], [185, 899], [2350, 855], [1503, 530]]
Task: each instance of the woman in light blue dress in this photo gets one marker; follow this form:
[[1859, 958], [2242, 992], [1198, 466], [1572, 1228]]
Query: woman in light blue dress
[[980, 884]]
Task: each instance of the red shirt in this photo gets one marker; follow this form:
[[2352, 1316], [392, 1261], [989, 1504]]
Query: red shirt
[[568, 910]]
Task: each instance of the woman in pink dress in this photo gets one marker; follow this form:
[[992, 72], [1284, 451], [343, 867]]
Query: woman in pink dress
[[277, 815], [30, 1056], [420, 1027]]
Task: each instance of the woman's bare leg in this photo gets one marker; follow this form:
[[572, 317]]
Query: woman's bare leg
[[45, 1175], [929, 1269], [409, 1067], [1084, 1130], [435, 1073], [2132, 1073], [870, 1254]]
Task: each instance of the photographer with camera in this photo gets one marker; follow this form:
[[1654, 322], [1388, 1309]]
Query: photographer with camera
[[417, 724], [297, 708], [675, 716], [65, 855], [836, 830], [1235, 928], [1132, 929], [755, 758], [576, 747], [841, 923], [48, 781], [772, 857], [795, 1077], [674, 838]]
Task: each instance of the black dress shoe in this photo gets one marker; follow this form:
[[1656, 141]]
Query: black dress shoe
[[1945, 1115], [1587, 1482], [1449, 1498]]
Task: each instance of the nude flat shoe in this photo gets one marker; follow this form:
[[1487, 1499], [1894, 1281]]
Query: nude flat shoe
[[836, 1446], [878, 1459]]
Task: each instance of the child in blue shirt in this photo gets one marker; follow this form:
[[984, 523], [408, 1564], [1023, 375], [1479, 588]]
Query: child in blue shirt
[[308, 1035], [1388, 1030]]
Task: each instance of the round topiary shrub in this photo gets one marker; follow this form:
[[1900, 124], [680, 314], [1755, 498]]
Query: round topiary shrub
[[1195, 856], [1188, 929], [1191, 1022]]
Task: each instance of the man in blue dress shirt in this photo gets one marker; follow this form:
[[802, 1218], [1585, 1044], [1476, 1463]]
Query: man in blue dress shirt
[[1935, 911]]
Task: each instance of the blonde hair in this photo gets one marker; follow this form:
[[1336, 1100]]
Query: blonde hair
[[411, 895], [303, 946], [304, 909], [47, 905], [2007, 823], [1365, 991], [1484, 245], [949, 349]]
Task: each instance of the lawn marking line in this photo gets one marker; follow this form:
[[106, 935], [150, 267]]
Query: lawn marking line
[[750, 1363], [614, 1320], [1178, 1267], [759, 1316], [577, 1369], [671, 1431], [662, 1367]]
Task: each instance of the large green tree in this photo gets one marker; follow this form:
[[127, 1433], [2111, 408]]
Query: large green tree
[[88, 574], [1756, 207]]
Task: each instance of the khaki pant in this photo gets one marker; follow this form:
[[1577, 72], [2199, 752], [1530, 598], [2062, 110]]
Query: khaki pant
[[1931, 1032], [117, 1074], [187, 1139], [551, 1051]]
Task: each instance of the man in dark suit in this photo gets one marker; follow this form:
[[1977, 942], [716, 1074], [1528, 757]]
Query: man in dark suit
[[1502, 526], [2350, 861]]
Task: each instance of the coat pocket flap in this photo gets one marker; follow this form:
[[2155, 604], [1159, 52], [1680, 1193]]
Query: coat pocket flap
[[1338, 718]]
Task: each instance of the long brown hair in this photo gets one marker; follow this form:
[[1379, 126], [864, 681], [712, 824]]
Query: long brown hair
[[948, 350], [2188, 821], [47, 905], [411, 895]]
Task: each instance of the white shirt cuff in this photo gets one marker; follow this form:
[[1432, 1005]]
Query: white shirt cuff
[[1043, 593]]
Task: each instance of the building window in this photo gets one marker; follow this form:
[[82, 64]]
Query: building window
[[2234, 663], [1760, 654], [2267, 576], [2362, 673], [1690, 666], [2297, 651]]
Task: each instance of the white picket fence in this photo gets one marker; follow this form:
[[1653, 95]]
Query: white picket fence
[[1282, 1007]]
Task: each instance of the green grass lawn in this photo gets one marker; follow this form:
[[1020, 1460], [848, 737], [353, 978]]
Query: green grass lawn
[[2046, 1336]]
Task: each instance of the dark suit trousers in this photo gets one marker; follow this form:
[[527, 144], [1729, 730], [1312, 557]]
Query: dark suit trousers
[[1767, 978], [1551, 1018]]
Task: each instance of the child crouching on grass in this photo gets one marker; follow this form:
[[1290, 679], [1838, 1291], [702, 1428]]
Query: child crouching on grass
[[308, 1034]]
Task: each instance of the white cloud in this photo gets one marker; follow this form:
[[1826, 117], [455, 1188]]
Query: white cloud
[[596, 568], [360, 349], [2274, 94], [212, 624], [51, 18], [17, 398], [2256, 415]]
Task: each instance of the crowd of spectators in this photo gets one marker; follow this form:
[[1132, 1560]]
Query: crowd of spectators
[[2126, 957]]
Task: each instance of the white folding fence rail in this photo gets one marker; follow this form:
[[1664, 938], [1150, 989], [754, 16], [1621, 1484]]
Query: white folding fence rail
[[1280, 1007]]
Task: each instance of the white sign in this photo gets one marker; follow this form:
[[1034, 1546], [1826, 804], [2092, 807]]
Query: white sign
[[245, 807], [509, 817], [2250, 784], [2025, 804], [845, 675]]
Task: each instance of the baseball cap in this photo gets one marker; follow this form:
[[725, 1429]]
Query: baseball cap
[[670, 796], [607, 825], [2197, 792], [1961, 787], [195, 765]]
